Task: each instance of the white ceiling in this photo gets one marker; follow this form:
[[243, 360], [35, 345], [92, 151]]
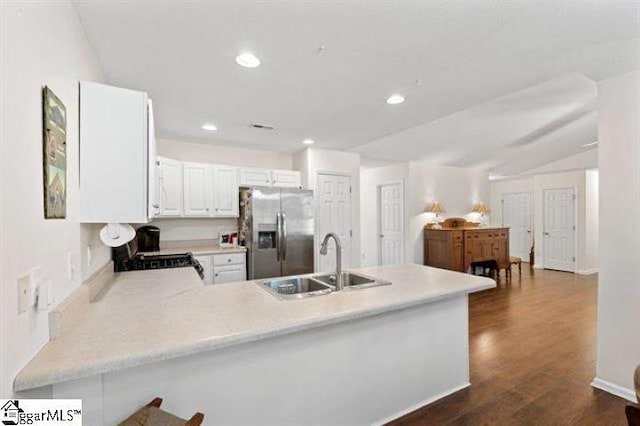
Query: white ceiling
[[497, 80]]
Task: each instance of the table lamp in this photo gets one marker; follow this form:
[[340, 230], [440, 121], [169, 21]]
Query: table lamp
[[481, 208], [436, 208]]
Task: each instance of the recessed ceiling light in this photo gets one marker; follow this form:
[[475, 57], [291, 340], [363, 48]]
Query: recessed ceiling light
[[308, 141], [395, 99], [210, 127], [247, 60], [587, 145]]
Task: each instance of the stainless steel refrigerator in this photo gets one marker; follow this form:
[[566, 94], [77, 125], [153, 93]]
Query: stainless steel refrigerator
[[277, 227]]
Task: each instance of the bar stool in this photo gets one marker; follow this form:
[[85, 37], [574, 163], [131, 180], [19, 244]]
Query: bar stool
[[514, 260], [152, 415]]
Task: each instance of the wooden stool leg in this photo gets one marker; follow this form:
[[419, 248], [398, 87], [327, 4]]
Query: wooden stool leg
[[157, 402], [633, 415], [520, 268], [196, 420]]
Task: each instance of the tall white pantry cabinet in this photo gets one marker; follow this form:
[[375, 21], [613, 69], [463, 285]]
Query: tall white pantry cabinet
[[117, 156]]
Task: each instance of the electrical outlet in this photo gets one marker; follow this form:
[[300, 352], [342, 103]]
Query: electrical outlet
[[25, 293]]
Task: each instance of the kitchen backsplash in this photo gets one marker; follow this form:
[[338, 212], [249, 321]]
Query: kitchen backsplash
[[193, 229]]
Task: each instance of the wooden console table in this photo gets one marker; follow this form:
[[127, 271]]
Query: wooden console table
[[456, 248]]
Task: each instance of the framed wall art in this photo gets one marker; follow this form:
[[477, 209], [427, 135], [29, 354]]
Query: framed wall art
[[54, 128]]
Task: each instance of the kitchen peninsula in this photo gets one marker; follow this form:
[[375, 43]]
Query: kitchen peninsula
[[240, 355]]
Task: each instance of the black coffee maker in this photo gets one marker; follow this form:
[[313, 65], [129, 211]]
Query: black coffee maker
[[148, 238]]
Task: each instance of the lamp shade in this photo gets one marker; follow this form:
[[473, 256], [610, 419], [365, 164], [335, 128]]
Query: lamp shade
[[436, 207], [481, 208]]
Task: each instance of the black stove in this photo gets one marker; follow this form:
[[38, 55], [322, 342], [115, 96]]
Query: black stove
[[126, 258]]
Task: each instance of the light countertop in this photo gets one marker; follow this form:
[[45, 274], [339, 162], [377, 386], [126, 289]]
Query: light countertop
[[148, 316], [197, 247]]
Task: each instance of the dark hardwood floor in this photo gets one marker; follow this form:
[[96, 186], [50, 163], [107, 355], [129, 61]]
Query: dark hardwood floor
[[533, 352]]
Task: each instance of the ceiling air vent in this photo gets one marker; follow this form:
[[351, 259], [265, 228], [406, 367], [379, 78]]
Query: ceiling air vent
[[261, 126]]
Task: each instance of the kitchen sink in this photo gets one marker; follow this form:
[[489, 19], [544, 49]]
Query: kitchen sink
[[351, 280], [316, 285], [295, 287]]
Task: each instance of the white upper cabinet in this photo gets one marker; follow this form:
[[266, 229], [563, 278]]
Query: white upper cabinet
[[225, 191], [114, 155], [257, 177], [153, 210], [197, 189], [268, 177], [171, 184], [285, 178]]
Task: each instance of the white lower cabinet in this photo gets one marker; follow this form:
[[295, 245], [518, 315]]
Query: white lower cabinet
[[207, 265], [229, 274], [223, 268]]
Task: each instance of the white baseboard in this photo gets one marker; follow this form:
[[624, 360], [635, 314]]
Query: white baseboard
[[421, 404], [614, 389], [587, 271]]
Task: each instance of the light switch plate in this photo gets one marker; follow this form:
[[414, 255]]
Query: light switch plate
[[25, 293]]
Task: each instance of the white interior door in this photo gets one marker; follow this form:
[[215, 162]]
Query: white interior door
[[559, 229], [333, 215], [391, 224], [516, 214]]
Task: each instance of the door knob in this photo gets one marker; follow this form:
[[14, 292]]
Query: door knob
[[546, 233], [381, 235]]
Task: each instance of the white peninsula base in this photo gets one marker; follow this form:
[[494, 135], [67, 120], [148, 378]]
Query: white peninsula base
[[365, 371]]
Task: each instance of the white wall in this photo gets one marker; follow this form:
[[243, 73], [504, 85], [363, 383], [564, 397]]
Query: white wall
[[181, 229], [619, 285], [585, 184], [42, 44], [583, 160], [230, 156], [310, 161], [591, 221], [457, 189]]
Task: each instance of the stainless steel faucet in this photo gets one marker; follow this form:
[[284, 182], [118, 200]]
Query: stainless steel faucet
[[323, 251]]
